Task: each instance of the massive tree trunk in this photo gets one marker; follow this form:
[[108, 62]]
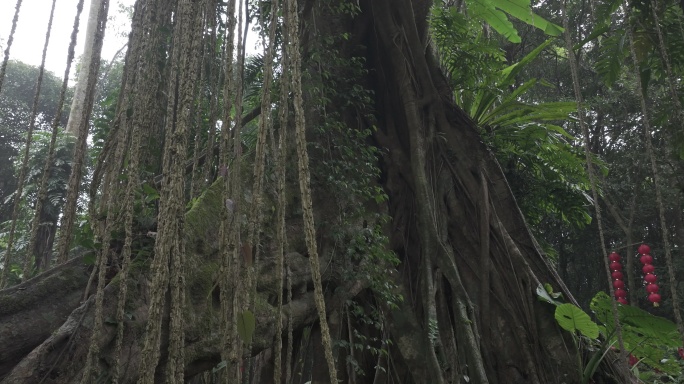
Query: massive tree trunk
[[468, 267]]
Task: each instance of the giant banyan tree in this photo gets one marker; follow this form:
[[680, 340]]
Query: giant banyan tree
[[347, 225]]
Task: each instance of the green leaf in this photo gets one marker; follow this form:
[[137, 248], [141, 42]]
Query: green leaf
[[553, 294], [509, 102], [543, 294], [548, 288], [521, 10], [553, 30], [646, 336], [246, 326], [495, 12], [528, 113], [595, 360], [483, 101], [219, 366], [512, 71], [612, 54], [573, 319], [598, 31], [89, 258], [148, 189], [654, 328], [497, 19]]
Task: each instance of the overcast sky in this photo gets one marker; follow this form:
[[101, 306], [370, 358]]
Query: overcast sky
[[29, 37], [33, 19]]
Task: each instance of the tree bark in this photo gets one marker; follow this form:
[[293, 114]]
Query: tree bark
[[522, 342], [31, 311], [46, 328], [45, 240]]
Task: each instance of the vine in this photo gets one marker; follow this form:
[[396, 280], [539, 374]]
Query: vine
[[292, 24]]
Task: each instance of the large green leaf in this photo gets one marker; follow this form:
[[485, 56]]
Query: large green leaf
[[509, 102], [599, 30], [612, 54], [495, 13], [485, 10], [646, 336], [571, 318], [246, 324], [545, 293], [529, 113], [521, 10], [512, 71]]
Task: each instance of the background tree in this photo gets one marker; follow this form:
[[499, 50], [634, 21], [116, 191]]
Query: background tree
[[15, 111]]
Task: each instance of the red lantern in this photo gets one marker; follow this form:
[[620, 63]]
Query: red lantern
[[654, 298], [649, 278], [646, 259], [618, 284]]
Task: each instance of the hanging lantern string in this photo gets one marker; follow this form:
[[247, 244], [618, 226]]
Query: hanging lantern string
[[616, 274], [649, 277]]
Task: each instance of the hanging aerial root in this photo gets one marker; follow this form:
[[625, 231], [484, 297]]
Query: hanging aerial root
[[214, 76], [195, 176], [170, 242], [292, 25], [240, 290], [251, 249], [5, 60], [280, 229], [128, 212], [99, 321], [485, 256], [257, 206], [230, 207]]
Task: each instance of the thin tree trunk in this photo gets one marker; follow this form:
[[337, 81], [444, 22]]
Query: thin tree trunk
[[46, 238], [83, 101], [78, 103]]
